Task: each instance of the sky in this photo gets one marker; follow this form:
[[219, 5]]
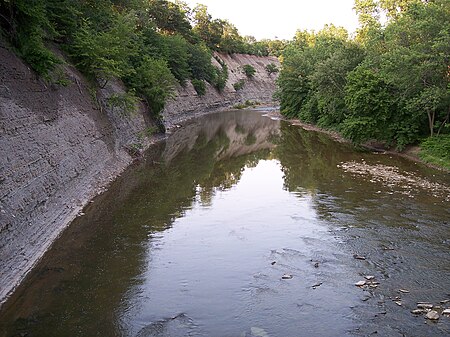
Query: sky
[[281, 18]]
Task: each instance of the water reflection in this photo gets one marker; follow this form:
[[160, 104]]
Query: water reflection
[[194, 239]]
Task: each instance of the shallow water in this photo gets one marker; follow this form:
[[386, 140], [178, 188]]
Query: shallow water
[[194, 240]]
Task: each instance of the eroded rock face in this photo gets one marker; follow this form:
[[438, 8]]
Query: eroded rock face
[[260, 88], [59, 148]]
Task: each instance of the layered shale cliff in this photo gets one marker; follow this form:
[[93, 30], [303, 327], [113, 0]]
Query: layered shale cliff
[[62, 145]]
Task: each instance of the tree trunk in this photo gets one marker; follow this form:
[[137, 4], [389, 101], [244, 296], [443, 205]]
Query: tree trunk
[[431, 115], [445, 121]]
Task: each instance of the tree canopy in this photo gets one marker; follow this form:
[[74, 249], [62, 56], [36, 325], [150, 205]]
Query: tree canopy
[[130, 40], [389, 83]]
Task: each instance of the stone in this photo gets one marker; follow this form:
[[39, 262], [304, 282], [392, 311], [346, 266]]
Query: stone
[[417, 311], [286, 277], [404, 291], [432, 315], [359, 257], [446, 312], [369, 277], [424, 305], [360, 283]]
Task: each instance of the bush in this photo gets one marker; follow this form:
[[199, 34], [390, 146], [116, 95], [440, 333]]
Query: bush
[[126, 102], [154, 81], [249, 71], [199, 86], [220, 77], [239, 85], [271, 68]]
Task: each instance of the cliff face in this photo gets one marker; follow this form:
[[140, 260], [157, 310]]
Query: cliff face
[[59, 147], [260, 88]]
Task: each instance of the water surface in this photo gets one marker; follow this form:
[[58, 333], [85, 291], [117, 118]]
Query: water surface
[[195, 239]]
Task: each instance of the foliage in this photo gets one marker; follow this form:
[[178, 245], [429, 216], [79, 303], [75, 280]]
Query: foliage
[[249, 70], [199, 86], [126, 102], [103, 55], [388, 84], [246, 104], [124, 39], [220, 76], [27, 25], [271, 68], [436, 150], [239, 85], [154, 81]]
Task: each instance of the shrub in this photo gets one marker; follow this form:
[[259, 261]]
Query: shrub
[[239, 85], [249, 71], [272, 68], [126, 102], [199, 86]]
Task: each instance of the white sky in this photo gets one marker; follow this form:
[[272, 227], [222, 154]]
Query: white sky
[[281, 18]]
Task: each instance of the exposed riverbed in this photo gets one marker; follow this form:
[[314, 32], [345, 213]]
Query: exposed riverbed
[[243, 225]]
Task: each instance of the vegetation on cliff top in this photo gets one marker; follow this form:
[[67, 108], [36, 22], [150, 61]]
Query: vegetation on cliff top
[[389, 83], [149, 44]]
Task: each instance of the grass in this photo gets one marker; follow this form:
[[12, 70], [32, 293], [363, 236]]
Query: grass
[[436, 150]]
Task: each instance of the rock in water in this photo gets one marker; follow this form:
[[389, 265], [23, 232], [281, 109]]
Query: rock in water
[[286, 277], [425, 306], [432, 315]]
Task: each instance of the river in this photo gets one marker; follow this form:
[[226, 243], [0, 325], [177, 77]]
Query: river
[[239, 224]]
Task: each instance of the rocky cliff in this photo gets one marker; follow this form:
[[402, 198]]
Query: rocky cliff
[[260, 88], [62, 145]]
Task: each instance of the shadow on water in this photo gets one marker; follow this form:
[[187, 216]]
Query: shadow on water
[[113, 270]]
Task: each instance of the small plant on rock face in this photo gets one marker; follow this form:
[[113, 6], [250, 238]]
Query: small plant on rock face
[[199, 86], [249, 70], [271, 68], [239, 85], [126, 102]]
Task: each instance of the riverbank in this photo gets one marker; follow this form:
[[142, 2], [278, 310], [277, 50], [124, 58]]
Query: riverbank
[[411, 152], [62, 145]]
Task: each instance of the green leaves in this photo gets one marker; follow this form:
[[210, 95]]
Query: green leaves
[[389, 84]]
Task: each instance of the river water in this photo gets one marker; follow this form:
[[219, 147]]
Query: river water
[[243, 225]]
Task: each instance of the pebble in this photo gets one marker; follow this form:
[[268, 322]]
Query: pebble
[[398, 303], [369, 277], [404, 291], [432, 315], [445, 301], [286, 277], [417, 311], [360, 283], [316, 265], [425, 305], [359, 257], [446, 312], [274, 262]]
